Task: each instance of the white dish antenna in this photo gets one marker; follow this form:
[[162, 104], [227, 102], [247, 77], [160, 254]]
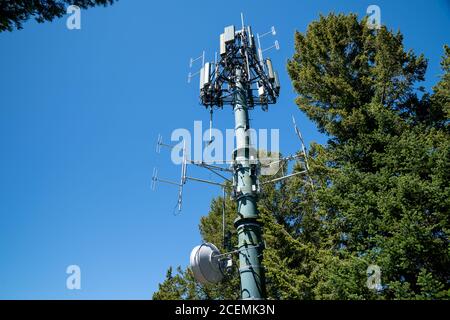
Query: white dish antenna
[[205, 264]]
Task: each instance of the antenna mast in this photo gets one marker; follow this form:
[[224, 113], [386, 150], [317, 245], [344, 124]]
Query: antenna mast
[[241, 79]]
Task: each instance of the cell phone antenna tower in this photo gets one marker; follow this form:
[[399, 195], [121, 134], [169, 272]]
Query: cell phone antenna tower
[[241, 78]]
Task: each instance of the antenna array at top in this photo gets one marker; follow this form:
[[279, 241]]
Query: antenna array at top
[[239, 50]]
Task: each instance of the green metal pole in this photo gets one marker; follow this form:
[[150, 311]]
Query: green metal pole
[[249, 231]]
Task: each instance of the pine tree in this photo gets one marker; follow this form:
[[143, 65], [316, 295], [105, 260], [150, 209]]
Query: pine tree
[[386, 197]]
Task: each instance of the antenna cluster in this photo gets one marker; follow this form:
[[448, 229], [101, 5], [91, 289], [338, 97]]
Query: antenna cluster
[[238, 49]]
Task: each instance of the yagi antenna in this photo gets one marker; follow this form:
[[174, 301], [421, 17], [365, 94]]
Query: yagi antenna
[[184, 178], [202, 56], [180, 185], [191, 63]]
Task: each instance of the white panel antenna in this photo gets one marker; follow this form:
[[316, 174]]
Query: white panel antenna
[[228, 35]]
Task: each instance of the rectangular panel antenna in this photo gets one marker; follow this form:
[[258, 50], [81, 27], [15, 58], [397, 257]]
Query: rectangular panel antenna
[[228, 35], [207, 76], [277, 82], [202, 78], [223, 49], [270, 69], [251, 38]]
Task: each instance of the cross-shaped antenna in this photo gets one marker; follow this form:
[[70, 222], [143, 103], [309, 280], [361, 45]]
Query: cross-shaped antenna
[[154, 178]]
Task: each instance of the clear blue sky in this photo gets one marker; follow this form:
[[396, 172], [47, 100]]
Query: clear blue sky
[[80, 112]]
